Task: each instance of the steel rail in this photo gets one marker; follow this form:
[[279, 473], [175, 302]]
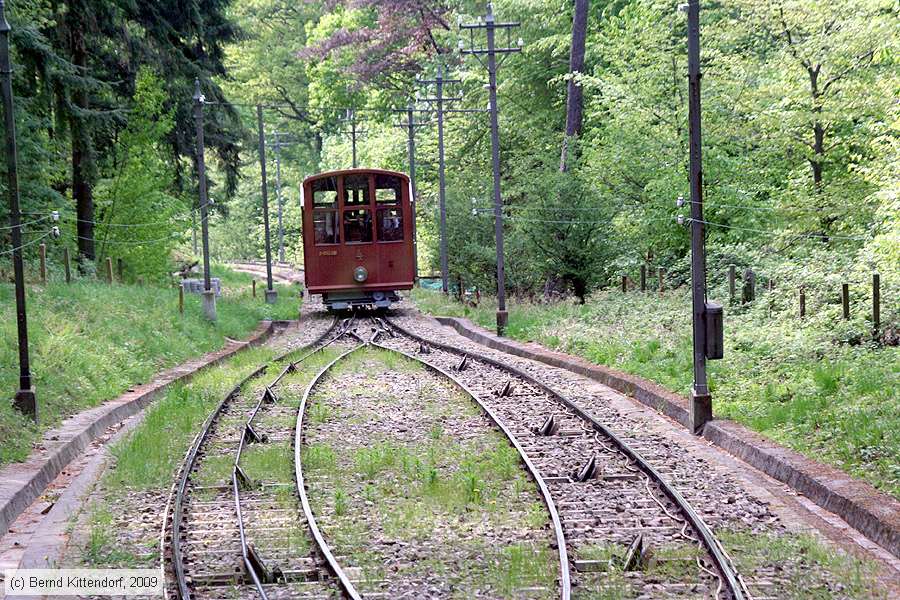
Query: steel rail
[[235, 484], [325, 550], [189, 462], [564, 567], [245, 552], [708, 539]]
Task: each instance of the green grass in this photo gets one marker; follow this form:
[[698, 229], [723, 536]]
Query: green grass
[[796, 382], [100, 548], [90, 342], [753, 552], [143, 462], [269, 462], [431, 490]]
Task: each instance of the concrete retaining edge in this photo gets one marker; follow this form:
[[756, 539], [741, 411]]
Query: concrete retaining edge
[[22, 483], [873, 513]]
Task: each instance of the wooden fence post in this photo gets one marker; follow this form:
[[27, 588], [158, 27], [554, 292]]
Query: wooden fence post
[[845, 300], [109, 271], [662, 280], [802, 302], [253, 286], [643, 278], [120, 269], [181, 299], [876, 303], [66, 265], [42, 251], [624, 283], [749, 286], [731, 279]]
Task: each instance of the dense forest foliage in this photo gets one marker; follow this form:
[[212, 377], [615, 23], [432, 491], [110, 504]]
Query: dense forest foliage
[[800, 123]]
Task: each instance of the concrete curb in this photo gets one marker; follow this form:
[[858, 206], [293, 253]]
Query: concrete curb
[[873, 513], [22, 483]]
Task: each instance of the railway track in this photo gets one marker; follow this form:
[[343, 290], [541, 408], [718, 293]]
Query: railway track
[[226, 532], [615, 506], [614, 519], [349, 586]]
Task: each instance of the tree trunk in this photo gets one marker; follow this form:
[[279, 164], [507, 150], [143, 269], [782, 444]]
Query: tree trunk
[[575, 101], [817, 161], [82, 191], [819, 154]]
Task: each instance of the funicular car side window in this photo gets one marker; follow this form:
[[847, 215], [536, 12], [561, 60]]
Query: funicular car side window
[[325, 222], [388, 189], [326, 227]]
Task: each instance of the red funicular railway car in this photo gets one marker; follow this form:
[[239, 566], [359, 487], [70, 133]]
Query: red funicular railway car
[[358, 237]]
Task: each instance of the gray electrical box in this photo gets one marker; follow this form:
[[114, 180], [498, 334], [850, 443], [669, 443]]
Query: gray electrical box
[[715, 331], [196, 286]]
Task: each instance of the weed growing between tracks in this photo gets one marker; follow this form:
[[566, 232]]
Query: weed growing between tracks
[[91, 341], [798, 382], [411, 483], [124, 515], [754, 553], [121, 527]]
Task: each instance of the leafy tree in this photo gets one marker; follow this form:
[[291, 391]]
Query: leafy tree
[[140, 220], [828, 58], [385, 41]]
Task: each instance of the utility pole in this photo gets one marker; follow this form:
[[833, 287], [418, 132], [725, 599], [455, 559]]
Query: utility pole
[[413, 203], [410, 127], [354, 132], [24, 400], [353, 135], [701, 400], [271, 294], [208, 295], [491, 26], [278, 194], [439, 100], [194, 230]]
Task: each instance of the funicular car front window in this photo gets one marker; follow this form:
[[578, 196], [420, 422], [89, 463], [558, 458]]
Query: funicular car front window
[[356, 190], [390, 225], [357, 226], [388, 189]]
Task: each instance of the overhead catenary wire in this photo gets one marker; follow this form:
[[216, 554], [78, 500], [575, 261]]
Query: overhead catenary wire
[[26, 244], [489, 213], [102, 224], [171, 238], [823, 236], [25, 224]]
